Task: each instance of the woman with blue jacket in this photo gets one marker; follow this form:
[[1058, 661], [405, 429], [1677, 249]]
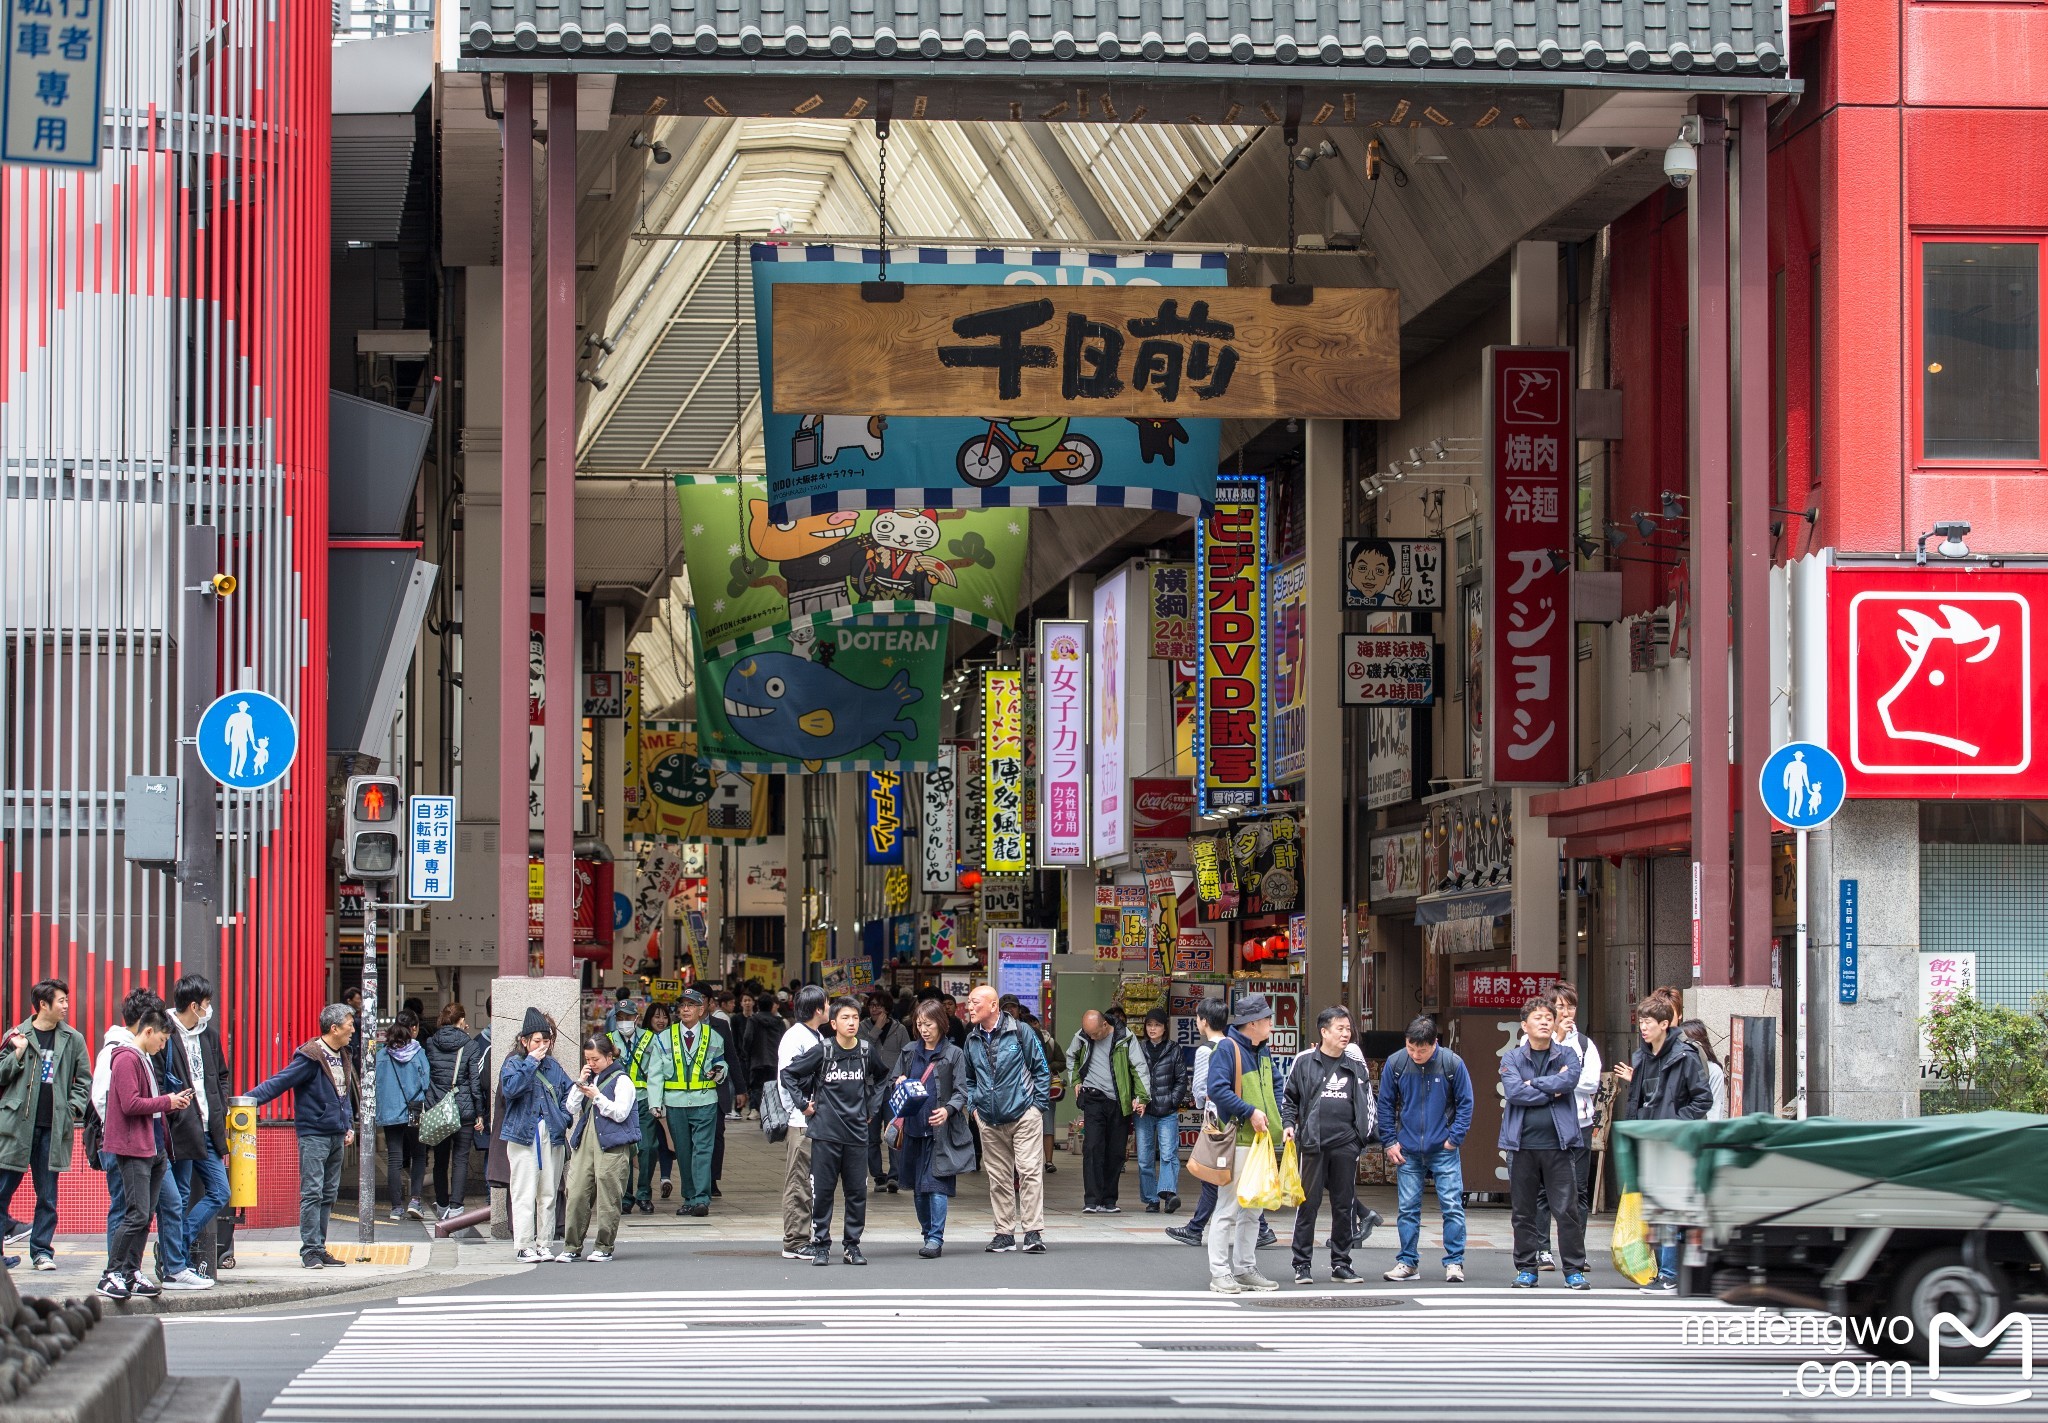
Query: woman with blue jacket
[[535, 1093], [404, 1084]]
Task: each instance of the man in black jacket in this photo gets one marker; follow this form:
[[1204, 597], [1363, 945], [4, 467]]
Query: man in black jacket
[[199, 1134], [833, 1085], [1327, 1110], [1666, 1082]]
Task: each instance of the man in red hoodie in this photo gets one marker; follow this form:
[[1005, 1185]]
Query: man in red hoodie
[[135, 1136]]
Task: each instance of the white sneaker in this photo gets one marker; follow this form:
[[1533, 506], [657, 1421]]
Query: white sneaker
[[1401, 1272], [188, 1279], [531, 1256], [1225, 1285], [44, 1262], [1253, 1280], [560, 1257], [1454, 1274], [600, 1257]]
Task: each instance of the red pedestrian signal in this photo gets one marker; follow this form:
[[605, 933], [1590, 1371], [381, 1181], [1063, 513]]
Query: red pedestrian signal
[[371, 847]]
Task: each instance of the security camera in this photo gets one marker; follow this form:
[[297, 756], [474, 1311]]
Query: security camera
[[1682, 159]]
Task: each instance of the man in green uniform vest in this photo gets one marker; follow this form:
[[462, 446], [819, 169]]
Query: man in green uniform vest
[[634, 1046], [684, 1067]]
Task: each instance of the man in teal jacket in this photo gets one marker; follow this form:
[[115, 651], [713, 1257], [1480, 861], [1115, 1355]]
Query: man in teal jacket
[[685, 1064]]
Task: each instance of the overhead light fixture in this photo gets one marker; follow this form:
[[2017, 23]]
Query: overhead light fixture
[[1616, 534], [1588, 547], [1951, 533], [1646, 524], [1560, 561], [1672, 504], [1429, 147]]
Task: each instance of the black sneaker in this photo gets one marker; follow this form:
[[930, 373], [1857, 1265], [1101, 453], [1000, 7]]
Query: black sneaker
[[333, 1261], [796, 1252], [1345, 1275], [929, 1250], [1001, 1245], [1151, 1208], [1266, 1236], [853, 1256], [1034, 1243], [1303, 1277], [1185, 1234], [112, 1287], [312, 1262], [647, 1208], [1370, 1221], [1169, 1202], [821, 1254], [143, 1287], [1111, 1209], [1546, 1261]]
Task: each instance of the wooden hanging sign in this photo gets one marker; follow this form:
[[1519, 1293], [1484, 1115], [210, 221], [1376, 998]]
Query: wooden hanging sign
[[1141, 352]]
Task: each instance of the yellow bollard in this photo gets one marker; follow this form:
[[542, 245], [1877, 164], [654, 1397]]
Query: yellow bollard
[[241, 1152]]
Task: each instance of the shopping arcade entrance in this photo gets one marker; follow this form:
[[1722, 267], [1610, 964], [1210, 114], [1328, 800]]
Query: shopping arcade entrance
[[1528, 115]]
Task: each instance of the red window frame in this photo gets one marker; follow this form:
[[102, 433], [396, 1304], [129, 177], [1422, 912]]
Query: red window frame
[[1917, 457]]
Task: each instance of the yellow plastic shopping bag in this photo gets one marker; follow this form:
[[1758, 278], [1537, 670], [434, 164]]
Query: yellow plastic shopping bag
[[1258, 1183], [1633, 1256], [1291, 1189]]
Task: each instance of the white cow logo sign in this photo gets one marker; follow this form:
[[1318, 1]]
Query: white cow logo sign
[[1940, 683], [1920, 636]]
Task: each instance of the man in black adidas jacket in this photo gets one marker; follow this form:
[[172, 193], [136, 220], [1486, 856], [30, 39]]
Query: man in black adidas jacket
[[833, 1084], [1326, 1109]]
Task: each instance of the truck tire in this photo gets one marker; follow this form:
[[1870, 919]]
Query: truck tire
[[1939, 1281]]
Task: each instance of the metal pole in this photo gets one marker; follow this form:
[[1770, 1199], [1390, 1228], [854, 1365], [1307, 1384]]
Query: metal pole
[[366, 1125], [515, 537], [561, 785], [1799, 970]]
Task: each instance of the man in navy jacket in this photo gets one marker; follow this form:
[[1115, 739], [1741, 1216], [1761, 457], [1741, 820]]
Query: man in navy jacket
[[321, 1077], [1425, 1111], [1539, 1130]]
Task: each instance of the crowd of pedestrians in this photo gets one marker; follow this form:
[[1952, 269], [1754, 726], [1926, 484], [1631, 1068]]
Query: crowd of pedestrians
[[874, 1094]]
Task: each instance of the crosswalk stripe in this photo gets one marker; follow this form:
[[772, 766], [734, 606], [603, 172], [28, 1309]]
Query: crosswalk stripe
[[1021, 1355]]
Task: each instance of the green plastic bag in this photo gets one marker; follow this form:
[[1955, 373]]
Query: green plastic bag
[[1258, 1184], [1633, 1257]]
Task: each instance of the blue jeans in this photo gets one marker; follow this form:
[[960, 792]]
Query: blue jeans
[[1441, 1166], [320, 1157], [170, 1215], [1158, 1155], [1667, 1253], [42, 1239], [931, 1214], [204, 1186]]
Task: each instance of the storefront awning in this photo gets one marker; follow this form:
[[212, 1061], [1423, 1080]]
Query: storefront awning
[[1647, 813]]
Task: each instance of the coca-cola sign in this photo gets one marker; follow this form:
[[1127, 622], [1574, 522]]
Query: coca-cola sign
[[1162, 809]]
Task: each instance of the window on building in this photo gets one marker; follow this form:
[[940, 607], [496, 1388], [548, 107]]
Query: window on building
[[1980, 350]]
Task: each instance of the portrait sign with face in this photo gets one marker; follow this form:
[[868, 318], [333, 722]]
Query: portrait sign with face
[[1394, 573]]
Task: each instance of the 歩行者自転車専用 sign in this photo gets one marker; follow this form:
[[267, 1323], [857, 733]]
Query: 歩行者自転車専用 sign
[[1131, 351]]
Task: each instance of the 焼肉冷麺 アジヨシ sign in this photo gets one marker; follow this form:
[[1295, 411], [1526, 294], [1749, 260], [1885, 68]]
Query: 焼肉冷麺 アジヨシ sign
[[1130, 351]]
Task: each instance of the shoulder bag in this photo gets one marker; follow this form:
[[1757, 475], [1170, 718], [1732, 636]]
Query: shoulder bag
[[442, 1120], [899, 1100], [1214, 1158]]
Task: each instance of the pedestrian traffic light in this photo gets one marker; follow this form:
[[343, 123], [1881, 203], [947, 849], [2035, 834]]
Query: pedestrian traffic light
[[372, 830]]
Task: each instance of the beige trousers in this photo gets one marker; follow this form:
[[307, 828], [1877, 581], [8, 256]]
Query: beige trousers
[[533, 1194], [796, 1188], [1013, 1159]]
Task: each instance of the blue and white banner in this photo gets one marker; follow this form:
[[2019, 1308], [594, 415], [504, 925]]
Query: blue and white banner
[[818, 464]]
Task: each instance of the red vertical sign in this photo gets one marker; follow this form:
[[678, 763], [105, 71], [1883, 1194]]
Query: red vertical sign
[[1528, 630]]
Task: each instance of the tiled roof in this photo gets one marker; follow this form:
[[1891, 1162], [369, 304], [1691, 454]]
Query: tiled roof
[[1223, 37]]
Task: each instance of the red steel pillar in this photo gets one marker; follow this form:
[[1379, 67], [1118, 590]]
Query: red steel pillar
[[515, 548], [564, 637], [1749, 229], [1707, 358]]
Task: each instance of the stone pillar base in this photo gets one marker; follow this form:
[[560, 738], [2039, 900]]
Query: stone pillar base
[[560, 999]]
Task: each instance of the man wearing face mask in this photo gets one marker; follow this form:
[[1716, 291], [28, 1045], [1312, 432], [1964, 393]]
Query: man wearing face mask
[[199, 1137]]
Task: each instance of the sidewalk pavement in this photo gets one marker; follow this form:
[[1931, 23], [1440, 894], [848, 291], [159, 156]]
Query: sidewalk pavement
[[267, 1270]]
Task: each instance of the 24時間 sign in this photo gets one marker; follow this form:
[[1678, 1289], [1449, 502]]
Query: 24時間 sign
[[1002, 757], [1230, 725], [1530, 446], [1389, 669], [1063, 742]]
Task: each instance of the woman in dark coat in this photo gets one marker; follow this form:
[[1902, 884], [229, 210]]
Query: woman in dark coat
[[937, 1142], [764, 1039], [448, 1047]]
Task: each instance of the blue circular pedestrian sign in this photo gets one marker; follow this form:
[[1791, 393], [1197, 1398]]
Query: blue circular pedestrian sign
[[247, 740], [1802, 785]]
